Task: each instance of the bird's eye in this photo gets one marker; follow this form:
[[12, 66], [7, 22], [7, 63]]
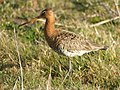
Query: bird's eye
[[43, 12]]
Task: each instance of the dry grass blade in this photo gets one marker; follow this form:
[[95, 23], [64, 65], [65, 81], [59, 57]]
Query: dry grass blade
[[48, 86], [105, 21], [15, 86], [19, 59], [116, 6]]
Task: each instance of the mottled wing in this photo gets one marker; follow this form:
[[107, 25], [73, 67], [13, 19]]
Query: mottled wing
[[71, 44]]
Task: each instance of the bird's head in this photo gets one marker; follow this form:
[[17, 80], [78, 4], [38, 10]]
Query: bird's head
[[46, 14]]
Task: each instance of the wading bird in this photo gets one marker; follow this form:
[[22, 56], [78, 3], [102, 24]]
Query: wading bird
[[64, 42]]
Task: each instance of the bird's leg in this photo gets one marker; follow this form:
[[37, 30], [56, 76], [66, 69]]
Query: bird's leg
[[69, 71], [70, 66]]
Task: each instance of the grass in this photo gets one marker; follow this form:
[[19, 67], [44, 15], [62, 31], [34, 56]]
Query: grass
[[45, 69]]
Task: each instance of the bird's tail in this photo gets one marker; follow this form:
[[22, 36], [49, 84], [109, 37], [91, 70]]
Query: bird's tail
[[104, 48]]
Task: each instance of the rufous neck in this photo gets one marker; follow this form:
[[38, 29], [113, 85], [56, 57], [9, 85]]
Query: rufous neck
[[49, 26]]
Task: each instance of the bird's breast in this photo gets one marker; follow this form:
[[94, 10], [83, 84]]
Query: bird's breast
[[54, 43]]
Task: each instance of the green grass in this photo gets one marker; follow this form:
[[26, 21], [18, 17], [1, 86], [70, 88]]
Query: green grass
[[43, 67]]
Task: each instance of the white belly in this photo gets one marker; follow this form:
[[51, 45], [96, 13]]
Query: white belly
[[74, 53]]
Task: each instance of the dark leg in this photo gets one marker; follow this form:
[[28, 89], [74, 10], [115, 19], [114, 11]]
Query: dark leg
[[69, 71]]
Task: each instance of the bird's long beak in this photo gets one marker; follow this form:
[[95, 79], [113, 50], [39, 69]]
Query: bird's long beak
[[31, 21]]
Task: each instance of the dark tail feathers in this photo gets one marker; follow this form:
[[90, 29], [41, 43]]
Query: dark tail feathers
[[104, 48]]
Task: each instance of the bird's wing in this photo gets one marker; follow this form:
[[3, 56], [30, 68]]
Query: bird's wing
[[72, 42]]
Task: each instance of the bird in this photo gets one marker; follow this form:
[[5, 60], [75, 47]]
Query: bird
[[63, 42]]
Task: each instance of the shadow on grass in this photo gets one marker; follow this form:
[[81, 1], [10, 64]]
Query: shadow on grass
[[4, 66]]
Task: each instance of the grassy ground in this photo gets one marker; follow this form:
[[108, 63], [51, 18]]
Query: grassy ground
[[43, 68]]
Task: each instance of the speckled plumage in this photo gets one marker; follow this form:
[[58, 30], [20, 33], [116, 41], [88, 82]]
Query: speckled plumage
[[65, 42], [70, 44]]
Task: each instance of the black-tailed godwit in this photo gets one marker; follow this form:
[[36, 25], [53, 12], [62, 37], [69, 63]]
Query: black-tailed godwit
[[65, 42]]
